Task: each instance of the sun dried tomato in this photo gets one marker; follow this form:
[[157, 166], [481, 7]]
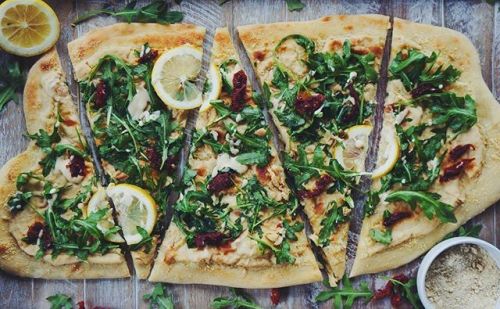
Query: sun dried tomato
[[401, 278], [209, 239], [424, 89], [458, 151], [275, 296], [33, 235], [148, 56], [100, 94], [239, 93], [170, 164], [76, 166], [383, 292], [455, 170], [220, 182], [306, 104], [34, 232], [80, 304], [353, 112], [153, 157], [395, 217], [396, 300], [389, 290], [320, 186]]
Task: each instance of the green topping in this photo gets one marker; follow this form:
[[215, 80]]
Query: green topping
[[344, 297], [11, 82], [384, 237], [239, 300], [294, 5], [335, 216], [60, 301], [427, 201]]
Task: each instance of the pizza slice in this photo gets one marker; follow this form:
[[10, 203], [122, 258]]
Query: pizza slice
[[322, 77], [447, 131], [236, 223], [49, 227], [138, 138]]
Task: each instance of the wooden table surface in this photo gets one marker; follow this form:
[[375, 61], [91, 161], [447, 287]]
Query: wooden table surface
[[476, 19]]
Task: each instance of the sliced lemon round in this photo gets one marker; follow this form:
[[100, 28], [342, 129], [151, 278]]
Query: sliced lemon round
[[27, 27], [135, 208], [351, 153], [174, 75], [97, 202], [213, 87], [388, 151]]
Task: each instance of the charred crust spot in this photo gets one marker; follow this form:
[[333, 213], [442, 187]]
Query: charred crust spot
[[326, 18], [348, 27]]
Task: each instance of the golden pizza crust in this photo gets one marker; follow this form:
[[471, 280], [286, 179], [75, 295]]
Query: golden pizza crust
[[480, 191], [367, 34], [123, 39]]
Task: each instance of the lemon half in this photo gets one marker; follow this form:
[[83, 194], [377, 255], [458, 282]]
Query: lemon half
[[388, 151], [351, 154], [27, 27], [174, 77], [135, 208]]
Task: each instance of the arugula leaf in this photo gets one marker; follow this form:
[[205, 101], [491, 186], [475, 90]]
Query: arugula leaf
[[294, 5], [260, 158], [472, 230], [159, 298], [428, 201], [155, 12], [227, 83], [44, 140], [11, 82], [239, 300], [60, 301], [281, 252], [344, 297], [384, 237], [333, 218], [408, 291], [301, 40], [18, 201], [146, 241]]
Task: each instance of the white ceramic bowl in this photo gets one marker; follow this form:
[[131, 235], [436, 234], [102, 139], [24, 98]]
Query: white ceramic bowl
[[437, 250]]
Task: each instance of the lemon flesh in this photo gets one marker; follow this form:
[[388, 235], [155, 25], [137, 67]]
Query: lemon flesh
[[213, 88], [27, 27], [351, 154], [97, 202], [174, 77], [135, 208]]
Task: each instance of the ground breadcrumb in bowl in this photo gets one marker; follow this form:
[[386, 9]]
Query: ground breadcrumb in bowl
[[460, 272]]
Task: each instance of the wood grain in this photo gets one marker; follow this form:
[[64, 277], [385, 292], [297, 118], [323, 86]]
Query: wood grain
[[482, 26]]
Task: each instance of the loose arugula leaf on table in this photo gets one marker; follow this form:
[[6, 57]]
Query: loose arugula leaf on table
[[344, 297], [239, 300], [294, 5], [60, 301], [427, 201], [383, 237], [11, 82], [155, 12], [159, 298], [409, 291]]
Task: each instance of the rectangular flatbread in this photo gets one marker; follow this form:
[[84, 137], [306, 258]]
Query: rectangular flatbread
[[47, 229], [445, 122], [138, 138], [236, 222], [322, 76]]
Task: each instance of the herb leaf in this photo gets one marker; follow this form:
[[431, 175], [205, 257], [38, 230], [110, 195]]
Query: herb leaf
[[470, 230], [155, 12], [239, 300], [344, 297], [159, 298], [333, 218], [11, 82], [428, 201], [60, 301], [294, 5], [384, 237]]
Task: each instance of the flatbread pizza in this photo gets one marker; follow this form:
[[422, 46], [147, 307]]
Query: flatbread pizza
[[236, 222], [445, 119], [322, 77], [48, 228], [138, 138]]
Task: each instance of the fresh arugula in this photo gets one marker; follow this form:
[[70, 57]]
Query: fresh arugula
[[427, 201], [238, 300], [335, 216], [344, 297], [155, 12], [408, 291], [383, 237], [159, 298], [60, 301], [11, 82]]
